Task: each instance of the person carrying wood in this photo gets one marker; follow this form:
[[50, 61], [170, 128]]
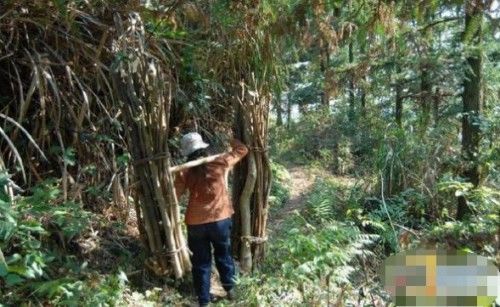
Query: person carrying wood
[[208, 214]]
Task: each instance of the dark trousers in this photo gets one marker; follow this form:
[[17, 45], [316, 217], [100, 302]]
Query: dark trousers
[[200, 239]]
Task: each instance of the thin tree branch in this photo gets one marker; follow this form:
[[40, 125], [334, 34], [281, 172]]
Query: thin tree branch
[[432, 24]]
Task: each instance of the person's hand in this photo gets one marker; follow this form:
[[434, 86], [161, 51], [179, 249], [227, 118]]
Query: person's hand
[[222, 139], [226, 139]]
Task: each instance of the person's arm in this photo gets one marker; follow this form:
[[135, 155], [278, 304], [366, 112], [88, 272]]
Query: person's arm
[[238, 151], [180, 184]]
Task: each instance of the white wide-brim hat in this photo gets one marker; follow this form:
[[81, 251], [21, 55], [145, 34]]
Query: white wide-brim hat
[[191, 142]]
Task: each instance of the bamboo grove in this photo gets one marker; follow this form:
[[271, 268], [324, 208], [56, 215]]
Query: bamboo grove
[[97, 93]]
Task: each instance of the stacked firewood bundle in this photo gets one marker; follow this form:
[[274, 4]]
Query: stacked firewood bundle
[[144, 86]]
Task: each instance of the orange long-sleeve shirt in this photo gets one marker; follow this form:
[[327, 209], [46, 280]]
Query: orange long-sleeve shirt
[[208, 196]]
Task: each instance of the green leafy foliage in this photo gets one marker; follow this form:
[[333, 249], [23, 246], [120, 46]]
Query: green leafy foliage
[[95, 290], [305, 141], [35, 236], [280, 189], [314, 257]]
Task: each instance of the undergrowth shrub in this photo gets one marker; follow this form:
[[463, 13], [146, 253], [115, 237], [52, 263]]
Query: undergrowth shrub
[[280, 188], [478, 232], [313, 261], [94, 290], [311, 265], [415, 178], [324, 202], [39, 259]]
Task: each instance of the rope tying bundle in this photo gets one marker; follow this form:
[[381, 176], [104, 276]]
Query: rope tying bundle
[[259, 149], [255, 240], [164, 252]]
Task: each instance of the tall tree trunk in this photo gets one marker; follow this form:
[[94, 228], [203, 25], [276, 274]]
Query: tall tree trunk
[[288, 112], [425, 97], [436, 99], [398, 107], [472, 98], [279, 112], [399, 103], [351, 83], [425, 76], [323, 64], [363, 102], [364, 86]]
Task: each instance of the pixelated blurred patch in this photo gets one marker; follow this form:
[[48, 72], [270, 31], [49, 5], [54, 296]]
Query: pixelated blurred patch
[[435, 277]]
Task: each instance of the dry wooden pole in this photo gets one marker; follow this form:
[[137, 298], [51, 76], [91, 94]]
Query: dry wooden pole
[[190, 164], [245, 210]]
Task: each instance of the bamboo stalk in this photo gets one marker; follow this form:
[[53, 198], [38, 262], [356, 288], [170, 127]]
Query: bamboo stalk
[[146, 200], [167, 225], [8, 187], [181, 241]]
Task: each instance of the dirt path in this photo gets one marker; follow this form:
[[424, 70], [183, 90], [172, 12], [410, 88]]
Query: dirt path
[[301, 181]]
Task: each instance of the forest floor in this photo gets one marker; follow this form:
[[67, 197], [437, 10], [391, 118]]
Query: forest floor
[[364, 289], [366, 286], [301, 182]]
